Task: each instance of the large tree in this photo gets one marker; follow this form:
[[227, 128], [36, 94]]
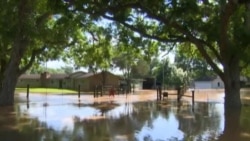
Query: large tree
[[219, 29], [31, 31]]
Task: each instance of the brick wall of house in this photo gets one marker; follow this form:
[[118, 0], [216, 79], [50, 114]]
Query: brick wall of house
[[87, 82], [31, 82], [110, 79]]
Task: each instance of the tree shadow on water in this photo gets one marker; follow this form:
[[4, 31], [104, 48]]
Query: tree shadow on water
[[236, 127]]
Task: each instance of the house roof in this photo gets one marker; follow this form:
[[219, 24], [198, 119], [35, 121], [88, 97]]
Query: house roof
[[87, 75], [58, 76], [38, 76], [92, 74], [206, 78], [30, 76], [77, 74]]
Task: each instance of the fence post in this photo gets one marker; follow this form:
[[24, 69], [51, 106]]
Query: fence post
[[157, 93], [192, 97], [178, 94], [79, 91], [28, 91], [94, 91], [160, 92], [101, 90]]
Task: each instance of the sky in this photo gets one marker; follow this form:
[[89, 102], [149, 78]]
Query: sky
[[56, 64]]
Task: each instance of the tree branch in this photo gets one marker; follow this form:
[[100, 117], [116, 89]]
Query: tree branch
[[144, 34], [202, 50], [215, 52], [32, 59], [179, 28], [186, 35]]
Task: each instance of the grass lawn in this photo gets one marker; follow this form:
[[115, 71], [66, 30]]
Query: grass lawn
[[46, 91]]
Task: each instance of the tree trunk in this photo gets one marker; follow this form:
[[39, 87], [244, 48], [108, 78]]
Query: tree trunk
[[20, 43], [232, 85], [231, 126], [12, 72], [8, 84]]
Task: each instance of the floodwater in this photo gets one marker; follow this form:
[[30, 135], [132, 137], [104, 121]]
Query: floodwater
[[135, 117]]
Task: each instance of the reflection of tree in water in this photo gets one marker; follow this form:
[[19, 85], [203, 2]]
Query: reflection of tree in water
[[245, 121], [87, 129], [121, 127], [204, 120], [237, 125], [232, 126], [18, 126]]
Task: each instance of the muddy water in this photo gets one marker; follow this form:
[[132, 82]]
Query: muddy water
[[137, 117]]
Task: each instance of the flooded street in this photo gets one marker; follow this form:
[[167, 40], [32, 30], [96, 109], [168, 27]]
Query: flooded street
[[135, 117]]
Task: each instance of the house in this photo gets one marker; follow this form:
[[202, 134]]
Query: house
[[44, 80], [28, 79], [214, 83], [209, 83], [86, 81], [89, 81]]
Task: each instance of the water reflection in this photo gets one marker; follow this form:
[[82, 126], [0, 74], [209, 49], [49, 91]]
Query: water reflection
[[73, 120]]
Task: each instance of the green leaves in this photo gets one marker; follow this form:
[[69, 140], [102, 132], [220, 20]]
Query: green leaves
[[76, 29], [93, 48]]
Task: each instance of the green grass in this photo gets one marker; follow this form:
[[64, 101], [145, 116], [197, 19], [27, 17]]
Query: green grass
[[45, 90]]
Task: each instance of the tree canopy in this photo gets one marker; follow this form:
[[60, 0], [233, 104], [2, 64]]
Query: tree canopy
[[218, 29], [32, 32]]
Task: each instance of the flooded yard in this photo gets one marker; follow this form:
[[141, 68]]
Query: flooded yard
[[133, 117]]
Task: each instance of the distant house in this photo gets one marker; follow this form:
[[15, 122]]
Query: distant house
[[54, 80], [29, 79], [209, 83], [90, 81], [86, 81], [213, 83], [44, 80]]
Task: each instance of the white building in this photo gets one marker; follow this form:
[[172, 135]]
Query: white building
[[209, 83], [214, 83]]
